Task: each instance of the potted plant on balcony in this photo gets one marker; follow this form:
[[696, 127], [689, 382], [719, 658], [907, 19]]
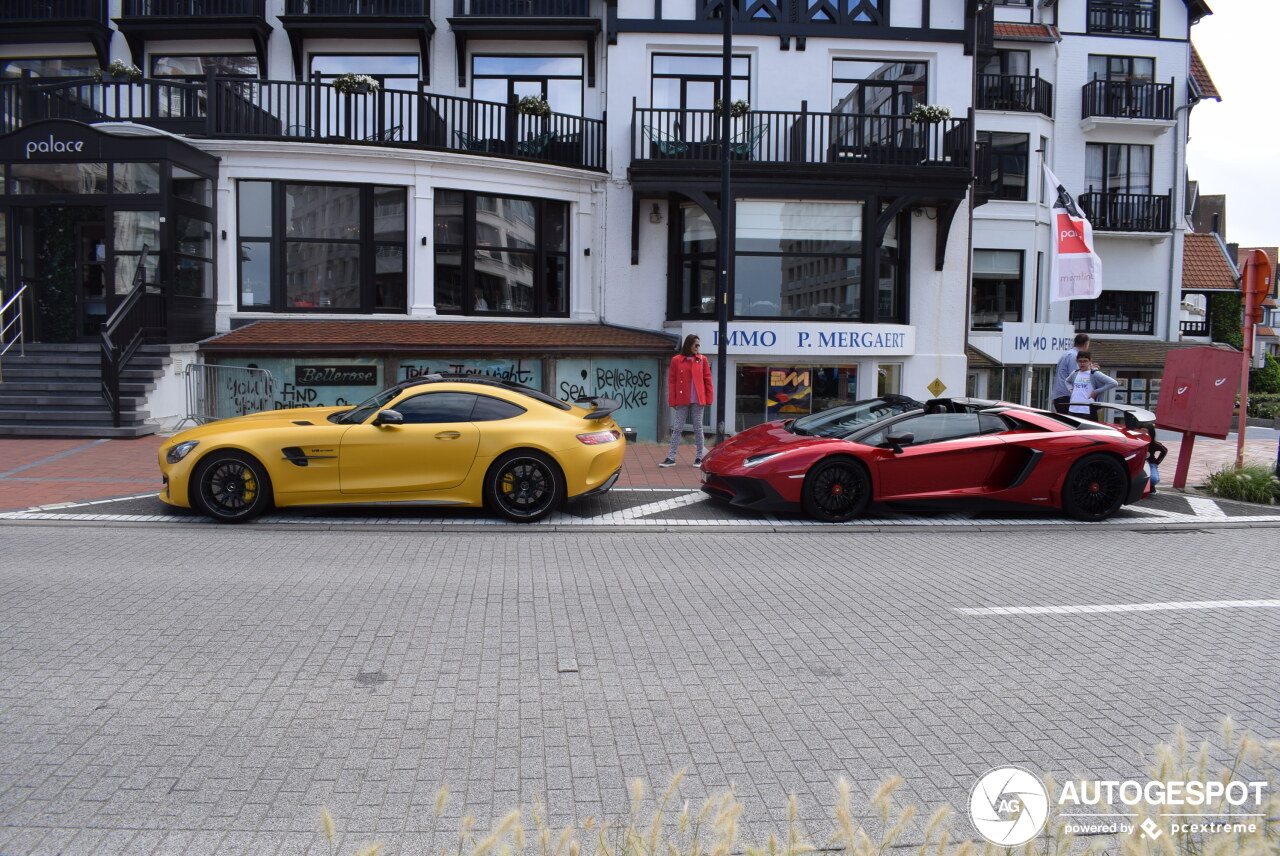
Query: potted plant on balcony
[[929, 114], [352, 84], [117, 71], [534, 105], [737, 109]]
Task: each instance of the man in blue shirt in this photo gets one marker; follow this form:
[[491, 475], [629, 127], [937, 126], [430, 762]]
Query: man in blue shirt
[[1066, 367]]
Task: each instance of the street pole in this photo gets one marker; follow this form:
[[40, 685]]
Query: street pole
[[726, 219]]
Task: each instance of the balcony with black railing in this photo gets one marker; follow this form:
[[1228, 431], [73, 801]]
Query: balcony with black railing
[[192, 8], [1124, 17], [1127, 99], [1021, 93], [525, 20], [49, 21], [144, 21], [1127, 212], [355, 8], [312, 112]]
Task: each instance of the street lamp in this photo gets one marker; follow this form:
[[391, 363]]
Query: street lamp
[[726, 219]]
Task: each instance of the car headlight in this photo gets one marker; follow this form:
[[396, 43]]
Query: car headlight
[[757, 460], [180, 451]]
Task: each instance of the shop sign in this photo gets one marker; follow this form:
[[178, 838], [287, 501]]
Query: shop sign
[[57, 141], [804, 339], [1034, 344], [349, 375]]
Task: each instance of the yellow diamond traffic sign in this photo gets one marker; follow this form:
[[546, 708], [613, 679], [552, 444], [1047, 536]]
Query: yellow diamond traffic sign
[[937, 387]]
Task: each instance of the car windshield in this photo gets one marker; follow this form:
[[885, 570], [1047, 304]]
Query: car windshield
[[363, 411], [843, 420]]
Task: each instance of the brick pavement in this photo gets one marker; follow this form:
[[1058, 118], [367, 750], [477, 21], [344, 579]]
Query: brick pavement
[[43, 472], [206, 692]]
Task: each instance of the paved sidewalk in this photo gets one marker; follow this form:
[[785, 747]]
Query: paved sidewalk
[[43, 472]]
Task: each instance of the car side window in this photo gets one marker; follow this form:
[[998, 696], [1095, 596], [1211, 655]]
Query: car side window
[[990, 423], [490, 409], [436, 407], [928, 428]]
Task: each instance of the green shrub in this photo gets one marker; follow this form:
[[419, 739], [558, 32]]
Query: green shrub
[[1266, 380], [1252, 483], [1264, 406]]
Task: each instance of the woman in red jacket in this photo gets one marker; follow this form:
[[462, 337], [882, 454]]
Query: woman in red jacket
[[688, 392]]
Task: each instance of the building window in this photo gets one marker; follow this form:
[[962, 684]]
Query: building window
[[997, 288], [501, 255], [1008, 163], [57, 66], [798, 258], [882, 87], [557, 79], [1129, 69], [763, 393], [322, 247], [1118, 168], [196, 68], [1116, 312], [687, 88], [1129, 17]]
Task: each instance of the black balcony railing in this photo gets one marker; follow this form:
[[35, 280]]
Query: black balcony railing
[[777, 136], [1020, 92], [1127, 212], [1130, 312], [1130, 17], [52, 11], [520, 8], [1131, 99], [193, 8], [387, 8], [311, 111]]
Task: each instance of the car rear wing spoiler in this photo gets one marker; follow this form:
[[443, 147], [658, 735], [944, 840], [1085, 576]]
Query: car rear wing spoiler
[[601, 407], [1134, 417]]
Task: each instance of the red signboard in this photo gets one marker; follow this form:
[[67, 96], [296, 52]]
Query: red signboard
[[1198, 391]]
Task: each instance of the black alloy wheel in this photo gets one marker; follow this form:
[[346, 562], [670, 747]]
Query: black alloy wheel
[[524, 486], [836, 490], [231, 487], [1095, 488]]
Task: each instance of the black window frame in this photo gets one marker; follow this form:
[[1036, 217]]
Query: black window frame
[[907, 91], [1004, 163], [278, 243], [1008, 297], [470, 247], [541, 79], [1138, 307], [1128, 174]]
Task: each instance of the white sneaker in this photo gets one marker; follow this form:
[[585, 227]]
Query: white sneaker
[[697, 462], [669, 462]]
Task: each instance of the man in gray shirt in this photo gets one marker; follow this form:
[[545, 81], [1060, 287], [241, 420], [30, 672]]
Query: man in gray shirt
[[1066, 367]]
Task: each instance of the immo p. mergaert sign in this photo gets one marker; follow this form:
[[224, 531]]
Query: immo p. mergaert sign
[[797, 339]]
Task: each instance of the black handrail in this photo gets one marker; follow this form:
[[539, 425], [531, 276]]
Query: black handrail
[[1109, 211], [1024, 93], [1130, 99], [125, 331]]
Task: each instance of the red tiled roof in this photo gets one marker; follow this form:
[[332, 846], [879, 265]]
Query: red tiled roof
[[1200, 77], [433, 337], [1027, 32], [1205, 266], [1264, 331]]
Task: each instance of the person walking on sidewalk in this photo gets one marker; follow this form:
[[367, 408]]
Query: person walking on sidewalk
[[1066, 366], [1087, 386], [688, 392]]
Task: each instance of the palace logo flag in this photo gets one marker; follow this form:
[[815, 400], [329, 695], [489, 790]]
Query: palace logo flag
[[1075, 271]]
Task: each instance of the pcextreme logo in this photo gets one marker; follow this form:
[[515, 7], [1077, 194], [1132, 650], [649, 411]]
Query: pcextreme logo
[[1008, 806]]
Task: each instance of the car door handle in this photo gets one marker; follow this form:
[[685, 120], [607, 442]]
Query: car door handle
[[448, 435]]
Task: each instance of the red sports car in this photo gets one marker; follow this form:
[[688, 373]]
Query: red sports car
[[947, 449]]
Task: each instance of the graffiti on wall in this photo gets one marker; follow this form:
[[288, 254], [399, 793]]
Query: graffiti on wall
[[527, 372], [632, 382]]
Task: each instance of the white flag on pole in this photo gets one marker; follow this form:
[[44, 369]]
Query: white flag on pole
[[1075, 271]]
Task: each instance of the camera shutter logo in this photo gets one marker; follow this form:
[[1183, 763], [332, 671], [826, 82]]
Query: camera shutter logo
[[1008, 806]]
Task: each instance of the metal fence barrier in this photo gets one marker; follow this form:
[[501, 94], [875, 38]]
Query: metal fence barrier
[[220, 392]]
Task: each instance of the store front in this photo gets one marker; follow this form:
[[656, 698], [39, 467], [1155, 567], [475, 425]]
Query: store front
[[781, 370], [85, 206]]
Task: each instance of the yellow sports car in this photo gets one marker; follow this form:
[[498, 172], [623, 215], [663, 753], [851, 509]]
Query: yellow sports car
[[436, 440]]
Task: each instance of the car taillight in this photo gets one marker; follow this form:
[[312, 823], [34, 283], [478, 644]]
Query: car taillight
[[595, 438]]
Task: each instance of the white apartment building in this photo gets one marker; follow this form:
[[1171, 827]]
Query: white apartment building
[[532, 189]]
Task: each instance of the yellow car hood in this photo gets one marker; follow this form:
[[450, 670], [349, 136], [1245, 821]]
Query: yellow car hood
[[255, 421]]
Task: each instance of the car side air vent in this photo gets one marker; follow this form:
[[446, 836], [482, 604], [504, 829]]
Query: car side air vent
[[301, 422], [294, 455]]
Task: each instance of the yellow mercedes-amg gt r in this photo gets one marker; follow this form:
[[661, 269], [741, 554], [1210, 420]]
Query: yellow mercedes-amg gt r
[[437, 440]]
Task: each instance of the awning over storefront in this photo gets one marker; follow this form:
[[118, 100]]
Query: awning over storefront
[[438, 337]]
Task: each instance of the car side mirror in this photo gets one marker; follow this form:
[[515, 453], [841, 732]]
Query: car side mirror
[[897, 441], [389, 417]]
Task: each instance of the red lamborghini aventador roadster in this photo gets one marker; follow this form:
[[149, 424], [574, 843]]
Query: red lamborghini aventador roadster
[[946, 449]]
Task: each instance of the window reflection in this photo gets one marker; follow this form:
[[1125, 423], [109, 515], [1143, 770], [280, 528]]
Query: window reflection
[[40, 178]]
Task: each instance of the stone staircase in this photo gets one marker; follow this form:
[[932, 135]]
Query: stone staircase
[[56, 391]]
